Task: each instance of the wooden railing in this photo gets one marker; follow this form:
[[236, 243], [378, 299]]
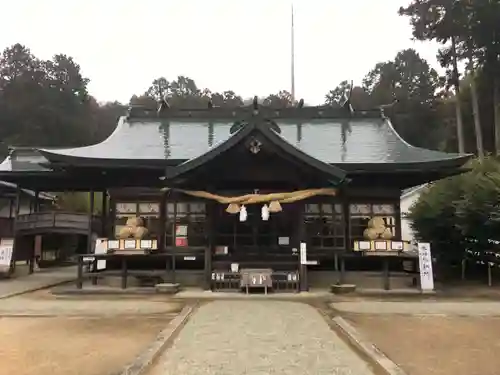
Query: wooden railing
[[55, 221]]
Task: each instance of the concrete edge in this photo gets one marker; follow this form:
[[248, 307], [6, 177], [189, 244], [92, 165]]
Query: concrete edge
[[368, 350], [103, 292], [147, 358], [36, 289]]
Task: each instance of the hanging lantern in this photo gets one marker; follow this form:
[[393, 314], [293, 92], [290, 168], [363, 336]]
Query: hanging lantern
[[265, 212], [233, 208], [243, 213], [275, 206]]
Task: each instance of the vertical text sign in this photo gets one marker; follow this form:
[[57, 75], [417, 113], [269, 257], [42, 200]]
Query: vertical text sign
[[6, 248], [425, 265], [303, 253]]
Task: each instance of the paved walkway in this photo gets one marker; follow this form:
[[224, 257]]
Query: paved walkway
[[258, 337], [38, 280], [420, 308]]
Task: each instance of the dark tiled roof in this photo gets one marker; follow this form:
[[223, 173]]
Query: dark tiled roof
[[335, 141], [269, 132], [23, 160]]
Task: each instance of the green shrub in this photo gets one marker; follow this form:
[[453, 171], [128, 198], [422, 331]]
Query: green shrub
[[460, 212]]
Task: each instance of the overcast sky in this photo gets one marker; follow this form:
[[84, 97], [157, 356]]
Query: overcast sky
[[243, 45]]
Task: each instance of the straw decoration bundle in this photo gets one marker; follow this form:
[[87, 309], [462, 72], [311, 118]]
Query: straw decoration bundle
[[274, 199]]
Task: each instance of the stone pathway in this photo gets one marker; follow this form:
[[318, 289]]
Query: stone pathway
[[475, 308], [39, 280], [258, 337]]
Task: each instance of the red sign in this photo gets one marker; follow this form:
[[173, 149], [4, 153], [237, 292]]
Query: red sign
[[181, 241]]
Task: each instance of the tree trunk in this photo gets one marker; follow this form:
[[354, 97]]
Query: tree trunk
[[475, 107], [458, 106], [496, 104]]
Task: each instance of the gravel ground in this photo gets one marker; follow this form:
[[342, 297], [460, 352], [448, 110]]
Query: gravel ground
[[32, 307], [40, 279], [435, 345], [420, 308], [258, 337], [74, 345]]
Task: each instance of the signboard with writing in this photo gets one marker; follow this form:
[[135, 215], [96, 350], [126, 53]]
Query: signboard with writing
[[303, 253], [425, 265], [181, 241], [101, 248], [6, 248]]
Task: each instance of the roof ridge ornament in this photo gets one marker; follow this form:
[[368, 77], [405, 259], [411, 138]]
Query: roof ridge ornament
[[255, 105], [163, 105], [347, 106]]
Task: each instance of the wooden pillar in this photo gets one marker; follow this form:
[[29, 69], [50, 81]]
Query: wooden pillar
[[17, 207], [398, 220], [79, 277], [90, 220], [124, 272], [210, 217], [104, 213], [301, 226], [37, 240], [37, 201], [174, 247], [12, 203], [347, 234], [208, 268], [163, 222], [386, 274]]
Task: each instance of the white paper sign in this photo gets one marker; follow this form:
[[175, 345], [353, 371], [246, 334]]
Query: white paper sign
[[303, 253], [425, 265], [101, 248], [6, 248]]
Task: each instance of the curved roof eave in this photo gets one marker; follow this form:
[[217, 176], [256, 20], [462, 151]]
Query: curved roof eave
[[418, 166], [78, 161]]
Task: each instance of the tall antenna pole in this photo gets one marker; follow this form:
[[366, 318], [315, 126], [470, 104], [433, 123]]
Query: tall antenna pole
[[293, 60]]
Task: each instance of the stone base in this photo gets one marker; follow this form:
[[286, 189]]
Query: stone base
[[167, 288], [116, 281], [342, 288]]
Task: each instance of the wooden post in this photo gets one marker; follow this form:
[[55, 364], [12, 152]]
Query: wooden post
[[89, 232], [342, 270], [386, 274], [398, 220], [163, 222], [173, 267], [104, 213], [37, 201], [90, 220], [124, 272], [79, 277], [303, 283], [210, 213], [33, 253], [208, 268], [490, 283], [17, 207], [94, 270], [347, 233], [174, 244]]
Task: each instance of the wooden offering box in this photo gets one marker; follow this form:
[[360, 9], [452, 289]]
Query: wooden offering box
[[256, 278]]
